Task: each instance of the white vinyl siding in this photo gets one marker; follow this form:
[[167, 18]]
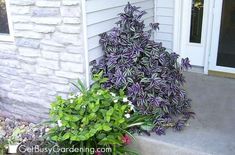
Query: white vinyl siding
[[103, 14], [165, 17]]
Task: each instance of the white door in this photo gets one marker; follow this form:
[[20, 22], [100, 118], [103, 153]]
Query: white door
[[222, 53], [194, 25]]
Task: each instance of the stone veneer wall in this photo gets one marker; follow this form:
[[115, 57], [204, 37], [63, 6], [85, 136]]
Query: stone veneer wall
[[46, 55]]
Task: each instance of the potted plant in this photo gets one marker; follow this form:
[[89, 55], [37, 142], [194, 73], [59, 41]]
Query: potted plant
[[14, 140]]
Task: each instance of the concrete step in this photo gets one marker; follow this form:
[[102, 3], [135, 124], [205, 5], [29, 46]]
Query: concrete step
[[148, 146], [212, 132]]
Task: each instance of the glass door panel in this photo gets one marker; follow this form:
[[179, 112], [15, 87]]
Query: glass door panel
[[226, 50]]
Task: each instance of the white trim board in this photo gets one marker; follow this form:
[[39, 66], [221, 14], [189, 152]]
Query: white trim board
[[85, 42], [155, 18], [177, 26], [209, 36]]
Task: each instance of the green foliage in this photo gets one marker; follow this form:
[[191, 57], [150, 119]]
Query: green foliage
[[96, 118], [2, 146], [15, 138]]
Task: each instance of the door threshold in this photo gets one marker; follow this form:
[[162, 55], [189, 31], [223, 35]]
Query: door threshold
[[197, 69], [221, 74]]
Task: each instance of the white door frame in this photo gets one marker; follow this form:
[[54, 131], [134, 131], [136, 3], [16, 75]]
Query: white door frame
[[218, 4], [209, 35]]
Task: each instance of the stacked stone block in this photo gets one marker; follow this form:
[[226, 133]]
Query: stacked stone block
[[45, 56]]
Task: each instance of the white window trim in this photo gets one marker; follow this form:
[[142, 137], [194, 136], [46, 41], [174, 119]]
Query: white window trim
[[8, 37]]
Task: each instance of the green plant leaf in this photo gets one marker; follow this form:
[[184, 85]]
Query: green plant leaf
[[80, 86], [101, 136], [55, 138], [66, 136], [110, 140], [106, 127], [108, 114]]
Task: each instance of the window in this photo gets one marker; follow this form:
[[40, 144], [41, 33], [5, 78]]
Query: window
[[196, 21], [5, 27]]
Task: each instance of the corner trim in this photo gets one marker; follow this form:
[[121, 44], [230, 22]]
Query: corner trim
[[177, 26], [155, 18], [85, 41], [209, 37]]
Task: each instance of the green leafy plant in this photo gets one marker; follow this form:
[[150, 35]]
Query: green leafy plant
[[15, 137], [97, 118], [2, 146]]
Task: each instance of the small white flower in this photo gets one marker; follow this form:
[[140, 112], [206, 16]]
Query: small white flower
[[113, 94], [78, 94], [98, 93], [71, 101], [125, 99], [47, 129], [115, 101], [127, 115], [59, 122], [132, 107]]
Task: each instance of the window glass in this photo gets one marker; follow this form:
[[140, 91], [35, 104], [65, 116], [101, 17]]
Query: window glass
[[226, 50], [196, 21], [4, 28]]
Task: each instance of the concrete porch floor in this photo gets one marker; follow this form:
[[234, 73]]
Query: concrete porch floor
[[212, 132]]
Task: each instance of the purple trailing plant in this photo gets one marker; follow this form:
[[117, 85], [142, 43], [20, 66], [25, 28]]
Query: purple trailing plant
[[151, 77]]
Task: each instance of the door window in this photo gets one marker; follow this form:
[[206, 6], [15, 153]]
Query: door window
[[196, 21]]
